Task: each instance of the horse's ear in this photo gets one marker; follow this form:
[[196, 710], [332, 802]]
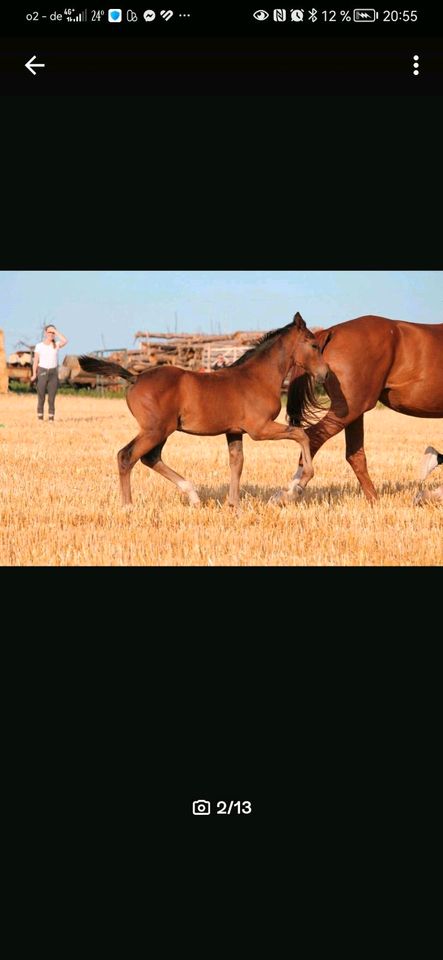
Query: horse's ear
[[299, 322]]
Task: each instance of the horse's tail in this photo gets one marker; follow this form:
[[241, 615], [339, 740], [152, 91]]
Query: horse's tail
[[105, 368]]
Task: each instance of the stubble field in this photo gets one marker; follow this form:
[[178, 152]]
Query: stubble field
[[60, 501]]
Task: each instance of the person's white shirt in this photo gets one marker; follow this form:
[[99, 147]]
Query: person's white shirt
[[47, 355]]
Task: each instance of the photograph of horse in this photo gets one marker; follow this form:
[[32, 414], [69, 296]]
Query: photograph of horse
[[371, 359], [242, 398]]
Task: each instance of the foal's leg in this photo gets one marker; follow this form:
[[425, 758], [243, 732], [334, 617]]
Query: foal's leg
[[153, 459], [235, 445], [128, 456], [278, 431], [426, 495], [431, 459]]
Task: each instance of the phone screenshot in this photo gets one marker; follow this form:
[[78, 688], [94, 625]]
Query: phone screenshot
[[221, 340]]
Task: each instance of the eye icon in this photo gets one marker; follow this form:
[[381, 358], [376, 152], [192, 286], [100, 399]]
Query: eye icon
[[261, 14]]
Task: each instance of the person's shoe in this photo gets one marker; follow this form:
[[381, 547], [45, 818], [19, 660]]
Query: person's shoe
[[429, 462], [39, 416]]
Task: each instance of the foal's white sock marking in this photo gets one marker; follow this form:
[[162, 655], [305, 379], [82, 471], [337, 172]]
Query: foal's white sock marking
[[187, 487], [294, 482]]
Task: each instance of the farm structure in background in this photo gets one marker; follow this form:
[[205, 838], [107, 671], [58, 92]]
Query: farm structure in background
[[190, 351], [19, 365]]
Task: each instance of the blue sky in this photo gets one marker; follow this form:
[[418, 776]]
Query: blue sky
[[104, 309]]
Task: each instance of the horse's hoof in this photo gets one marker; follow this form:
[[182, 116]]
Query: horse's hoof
[[287, 496], [278, 498], [196, 504], [418, 499]]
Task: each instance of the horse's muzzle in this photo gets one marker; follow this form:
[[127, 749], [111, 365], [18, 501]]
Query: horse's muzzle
[[321, 377]]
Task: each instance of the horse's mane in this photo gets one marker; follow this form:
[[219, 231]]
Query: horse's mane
[[262, 344]]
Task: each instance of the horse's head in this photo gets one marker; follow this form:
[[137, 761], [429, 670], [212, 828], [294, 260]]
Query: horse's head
[[307, 352]]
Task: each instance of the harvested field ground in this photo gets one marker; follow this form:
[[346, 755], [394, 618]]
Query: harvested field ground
[[60, 496]]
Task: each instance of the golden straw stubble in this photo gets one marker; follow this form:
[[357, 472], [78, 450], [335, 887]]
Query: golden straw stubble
[[60, 500]]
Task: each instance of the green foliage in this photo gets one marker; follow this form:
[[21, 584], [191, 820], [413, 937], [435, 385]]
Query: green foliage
[[16, 386], [99, 393]]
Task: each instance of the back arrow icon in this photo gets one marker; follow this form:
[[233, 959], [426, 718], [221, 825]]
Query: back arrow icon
[[30, 64]]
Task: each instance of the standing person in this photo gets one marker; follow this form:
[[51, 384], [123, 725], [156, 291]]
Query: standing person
[[219, 362], [45, 368]]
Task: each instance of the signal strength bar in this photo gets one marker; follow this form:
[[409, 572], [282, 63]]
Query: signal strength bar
[[80, 18]]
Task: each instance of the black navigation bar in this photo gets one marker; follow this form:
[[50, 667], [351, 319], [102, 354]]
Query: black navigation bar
[[221, 66]]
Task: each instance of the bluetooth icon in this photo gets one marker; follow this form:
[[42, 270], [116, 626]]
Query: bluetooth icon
[[312, 14]]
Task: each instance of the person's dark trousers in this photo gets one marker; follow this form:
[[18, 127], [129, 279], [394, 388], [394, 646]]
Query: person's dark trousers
[[47, 382]]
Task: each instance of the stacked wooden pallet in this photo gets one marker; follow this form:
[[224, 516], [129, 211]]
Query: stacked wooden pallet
[[191, 351]]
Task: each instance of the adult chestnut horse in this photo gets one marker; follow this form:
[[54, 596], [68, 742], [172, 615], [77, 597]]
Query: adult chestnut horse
[[241, 398], [372, 358]]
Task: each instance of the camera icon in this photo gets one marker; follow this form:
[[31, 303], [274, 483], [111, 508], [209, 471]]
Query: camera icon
[[201, 808]]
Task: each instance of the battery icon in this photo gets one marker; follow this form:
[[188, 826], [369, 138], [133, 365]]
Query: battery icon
[[363, 15]]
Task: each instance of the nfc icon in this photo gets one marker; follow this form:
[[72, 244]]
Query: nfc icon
[[201, 808]]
